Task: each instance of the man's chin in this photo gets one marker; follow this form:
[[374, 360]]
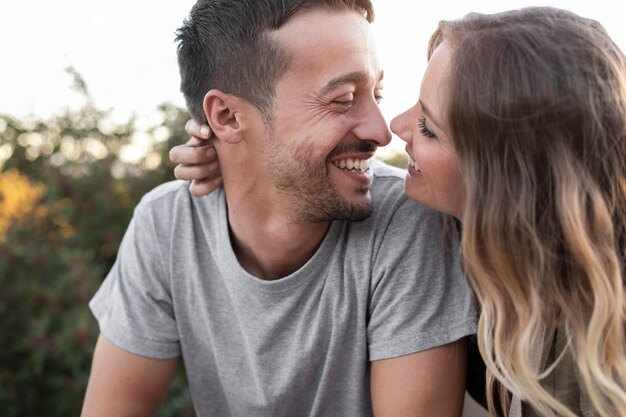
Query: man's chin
[[355, 210], [334, 202]]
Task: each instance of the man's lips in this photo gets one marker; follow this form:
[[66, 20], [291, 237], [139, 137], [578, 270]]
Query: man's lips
[[356, 168]]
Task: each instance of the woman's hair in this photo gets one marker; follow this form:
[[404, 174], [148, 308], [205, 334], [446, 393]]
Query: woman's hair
[[538, 117]]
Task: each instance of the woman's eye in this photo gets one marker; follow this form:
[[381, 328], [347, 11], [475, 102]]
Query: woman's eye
[[424, 130]]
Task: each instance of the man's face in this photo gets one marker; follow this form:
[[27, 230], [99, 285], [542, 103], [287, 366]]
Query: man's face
[[326, 123]]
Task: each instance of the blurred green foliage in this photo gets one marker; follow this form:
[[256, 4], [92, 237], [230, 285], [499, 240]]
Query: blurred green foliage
[[66, 197]]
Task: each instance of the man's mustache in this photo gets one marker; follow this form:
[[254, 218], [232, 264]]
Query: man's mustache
[[360, 146]]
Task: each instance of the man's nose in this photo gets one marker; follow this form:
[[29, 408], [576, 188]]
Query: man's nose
[[372, 125]]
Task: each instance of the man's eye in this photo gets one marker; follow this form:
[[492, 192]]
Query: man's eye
[[344, 100], [379, 98], [344, 103]]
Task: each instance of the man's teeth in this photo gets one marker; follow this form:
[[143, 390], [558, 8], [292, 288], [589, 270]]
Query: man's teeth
[[352, 164], [414, 164]]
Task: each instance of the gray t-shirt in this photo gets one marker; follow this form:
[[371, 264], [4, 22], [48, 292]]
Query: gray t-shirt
[[298, 346]]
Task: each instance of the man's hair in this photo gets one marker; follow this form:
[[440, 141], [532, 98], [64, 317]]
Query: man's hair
[[228, 45]]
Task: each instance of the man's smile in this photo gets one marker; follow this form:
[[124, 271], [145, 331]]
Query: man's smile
[[356, 164]]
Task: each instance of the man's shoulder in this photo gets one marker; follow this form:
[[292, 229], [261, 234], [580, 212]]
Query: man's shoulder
[[167, 190], [384, 171], [388, 184], [173, 197], [164, 195], [390, 200]]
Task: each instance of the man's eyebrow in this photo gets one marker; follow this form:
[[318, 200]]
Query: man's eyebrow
[[428, 113], [352, 78]]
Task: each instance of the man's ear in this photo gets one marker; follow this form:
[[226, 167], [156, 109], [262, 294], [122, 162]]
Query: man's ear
[[223, 114]]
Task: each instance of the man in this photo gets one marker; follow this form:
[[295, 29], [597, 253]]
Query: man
[[280, 289]]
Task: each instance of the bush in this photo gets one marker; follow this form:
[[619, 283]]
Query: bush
[[66, 197]]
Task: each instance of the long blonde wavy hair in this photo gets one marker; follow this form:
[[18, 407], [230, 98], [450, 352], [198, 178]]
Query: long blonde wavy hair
[[538, 118]]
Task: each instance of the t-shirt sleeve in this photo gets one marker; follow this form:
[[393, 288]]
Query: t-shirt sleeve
[[419, 296], [134, 305]]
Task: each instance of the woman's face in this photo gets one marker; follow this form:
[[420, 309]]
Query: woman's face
[[434, 173]]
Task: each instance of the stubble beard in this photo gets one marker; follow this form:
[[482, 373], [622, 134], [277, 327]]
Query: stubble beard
[[315, 198]]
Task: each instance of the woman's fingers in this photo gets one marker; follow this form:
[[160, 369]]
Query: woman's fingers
[[198, 130], [204, 187], [197, 160], [192, 155], [197, 172]]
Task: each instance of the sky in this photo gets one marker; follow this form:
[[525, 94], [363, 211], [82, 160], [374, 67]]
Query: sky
[[125, 50]]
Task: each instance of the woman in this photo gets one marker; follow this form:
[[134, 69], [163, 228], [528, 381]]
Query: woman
[[527, 109], [520, 133]]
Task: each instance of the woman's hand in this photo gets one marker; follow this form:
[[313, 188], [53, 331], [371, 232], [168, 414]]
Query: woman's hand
[[197, 160]]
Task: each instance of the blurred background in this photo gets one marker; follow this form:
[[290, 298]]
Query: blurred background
[[89, 108]]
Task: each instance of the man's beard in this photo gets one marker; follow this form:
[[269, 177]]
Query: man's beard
[[315, 197]]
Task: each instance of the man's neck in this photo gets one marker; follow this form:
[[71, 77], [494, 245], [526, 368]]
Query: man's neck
[[268, 243]]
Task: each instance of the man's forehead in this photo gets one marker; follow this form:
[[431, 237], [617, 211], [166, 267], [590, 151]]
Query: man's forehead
[[330, 48], [318, 29]]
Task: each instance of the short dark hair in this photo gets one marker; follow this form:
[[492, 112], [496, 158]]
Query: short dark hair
[[227, 44]]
